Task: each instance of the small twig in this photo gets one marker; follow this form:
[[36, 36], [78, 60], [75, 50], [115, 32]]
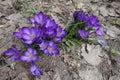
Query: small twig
[[5, 66], [86, 48]]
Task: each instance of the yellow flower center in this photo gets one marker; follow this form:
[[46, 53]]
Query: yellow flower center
[[30, 55], [58, 33], [83, 35], [40, 21], [44, 45], [32, 36], [50, 49]]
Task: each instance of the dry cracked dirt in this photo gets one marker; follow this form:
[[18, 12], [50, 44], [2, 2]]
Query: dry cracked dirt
[[74, 64]]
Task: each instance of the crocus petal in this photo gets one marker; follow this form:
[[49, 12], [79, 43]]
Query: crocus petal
[[24, 58], [48, 23], [43, 45], [83, 33], [32, 20], [55, 52], [99, 32], [33, 31], [34, 52], [27, 53], [26, 36], [17, 34], [87, 32], [63, 33], [35, 58], [36, 18], [46, 52], [57, 39], [28, 60], [28, 42], [30, 50], [32, 68], [25, 30], [11, 59], [35, 70], [51, 43], [75, 14], [40, 15], [39, 32]]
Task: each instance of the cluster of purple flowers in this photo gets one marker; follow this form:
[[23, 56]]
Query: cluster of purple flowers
[[44, 33], [91, 21]]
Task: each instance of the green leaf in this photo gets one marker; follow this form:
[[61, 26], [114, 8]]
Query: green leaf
[[115, 22], [114, 52], [40, 53], [75, 57]]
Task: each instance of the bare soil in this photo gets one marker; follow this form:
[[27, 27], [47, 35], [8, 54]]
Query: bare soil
[[74, 64]]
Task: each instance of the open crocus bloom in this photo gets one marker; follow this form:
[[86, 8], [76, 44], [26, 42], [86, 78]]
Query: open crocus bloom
[[99, 31], [51, 49], [35, 70], [28, 35], [30, 55], [38, 19], [13, 52], [83, 33]]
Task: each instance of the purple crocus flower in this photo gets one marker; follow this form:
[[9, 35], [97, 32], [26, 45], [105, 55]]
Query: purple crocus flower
[[83, 33], [82, 16], [35, 70], [50, 24], [75, 14], [30, 55], [39, 19], [92, 21], [59, 34], [58, 39], [99, 31], [43, 45], [19, 33], [29, 35], [52, 49], [13, 52], [50, 32]]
